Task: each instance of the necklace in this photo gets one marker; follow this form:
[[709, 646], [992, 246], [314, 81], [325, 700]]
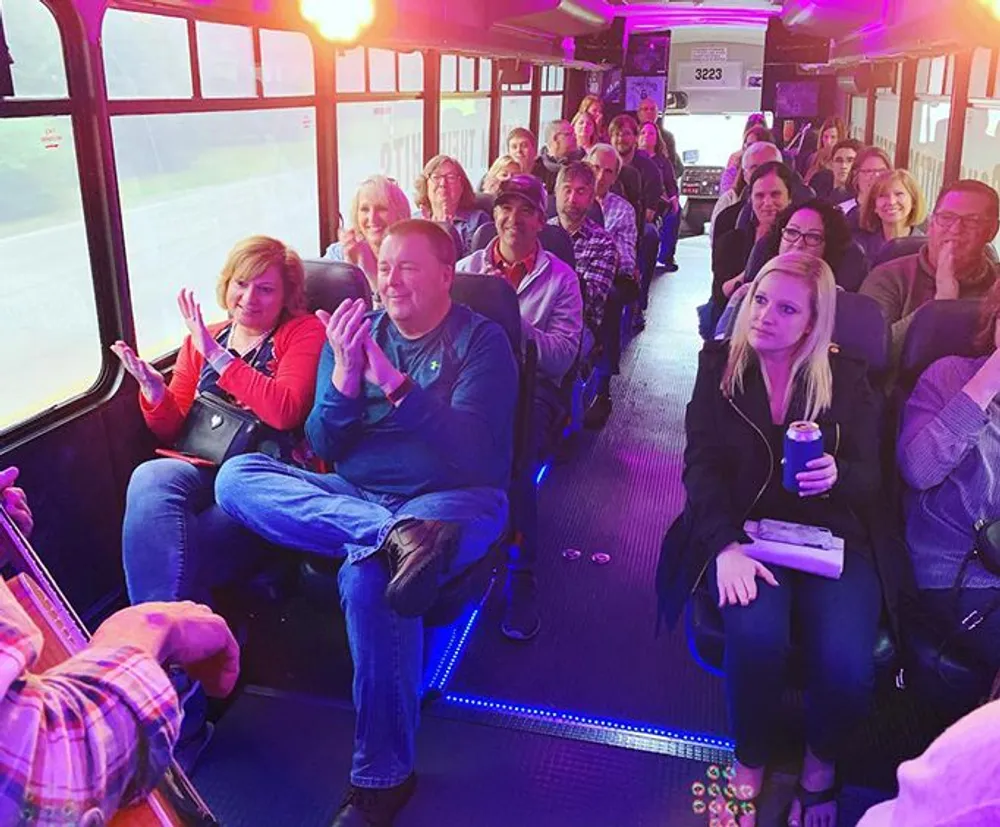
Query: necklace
[[252, 346]]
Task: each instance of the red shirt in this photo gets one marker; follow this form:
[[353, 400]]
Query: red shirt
[[515, 272]]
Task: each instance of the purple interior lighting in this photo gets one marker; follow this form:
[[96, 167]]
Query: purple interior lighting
[[702, 16]]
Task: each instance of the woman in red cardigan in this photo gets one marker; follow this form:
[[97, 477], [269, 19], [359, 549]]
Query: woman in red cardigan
[[176, 543]]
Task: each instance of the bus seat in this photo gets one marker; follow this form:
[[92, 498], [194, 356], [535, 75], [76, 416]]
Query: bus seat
[[456, 238], [595, 213], [860, 330], [328, 283], [940, 328], [484, 202], [495, 299], [554, 239], [853, 268], [899, 247]]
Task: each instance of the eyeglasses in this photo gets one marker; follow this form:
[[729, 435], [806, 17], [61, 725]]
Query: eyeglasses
[[442, 177], [791, 235], [947, 220]]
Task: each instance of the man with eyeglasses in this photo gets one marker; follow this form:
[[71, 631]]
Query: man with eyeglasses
[[952, 264], [560, 149]]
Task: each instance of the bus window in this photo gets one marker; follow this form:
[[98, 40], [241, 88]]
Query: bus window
[[465, 134], [379, 138], [552, 98], [928, 139], [381, 70], [286, 64], [713, 137], [33, 38], [886, 122], [194, 184], [225, 61], [351, 70], [49, 313], [146, 56], [859, 116], [411, 72], [516, 111], [449, 73]]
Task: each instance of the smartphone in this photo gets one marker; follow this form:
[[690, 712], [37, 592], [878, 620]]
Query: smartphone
[[795, 534]]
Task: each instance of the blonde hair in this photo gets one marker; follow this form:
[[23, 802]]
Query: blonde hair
[[386, 191], [467, 201], [587, 102], [491, 181], [812, 358], [868, 217], [253, 256], [586, 116]]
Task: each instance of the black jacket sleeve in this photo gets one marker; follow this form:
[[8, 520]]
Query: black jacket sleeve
[[707, 465], [859, 472]]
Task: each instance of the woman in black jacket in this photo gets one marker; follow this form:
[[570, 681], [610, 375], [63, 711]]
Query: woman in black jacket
[[779, 368]]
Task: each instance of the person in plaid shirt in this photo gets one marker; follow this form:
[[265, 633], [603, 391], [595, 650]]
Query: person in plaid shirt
[[593, 246], [95, 733]]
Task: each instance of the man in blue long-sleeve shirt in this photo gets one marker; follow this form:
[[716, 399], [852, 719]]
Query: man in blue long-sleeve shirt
[[415, 409]]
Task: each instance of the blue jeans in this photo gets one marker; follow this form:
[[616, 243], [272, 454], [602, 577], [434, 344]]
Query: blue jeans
[[836, 623], [325, 514], [177, 543], [649, 243], [669, 231]]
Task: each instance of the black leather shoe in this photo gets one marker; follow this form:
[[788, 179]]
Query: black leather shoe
[[363, 807], [596, 416], [419, 553]]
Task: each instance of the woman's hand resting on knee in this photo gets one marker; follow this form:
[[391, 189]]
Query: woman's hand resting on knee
[[736, 576]]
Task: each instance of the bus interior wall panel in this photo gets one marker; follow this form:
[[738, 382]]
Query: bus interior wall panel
[[77, 475]]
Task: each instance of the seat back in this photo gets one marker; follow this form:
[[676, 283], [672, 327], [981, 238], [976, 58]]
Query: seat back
[[493, 298], [595, 213], [553, 238], [853, 268], [898, 247], [860, 330], [456, 238], [939, 328], [328, 283], [484, 202]]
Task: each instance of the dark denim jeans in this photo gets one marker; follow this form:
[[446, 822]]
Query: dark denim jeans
[[177, 544], [326, 514], [669, 231], [836, 624]]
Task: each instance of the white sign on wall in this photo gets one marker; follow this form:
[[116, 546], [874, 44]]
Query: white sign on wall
[[709, 75], [710, 54]]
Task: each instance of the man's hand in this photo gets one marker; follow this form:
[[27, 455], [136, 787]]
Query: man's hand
[[15, 501], [380, 371], [945, 276], [346, 329], [184, 634]]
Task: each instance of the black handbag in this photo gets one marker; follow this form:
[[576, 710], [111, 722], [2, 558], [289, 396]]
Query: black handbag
[[216, 430], [940, 666]]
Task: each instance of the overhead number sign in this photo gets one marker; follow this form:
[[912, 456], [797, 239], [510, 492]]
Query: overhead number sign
[[726, 74]]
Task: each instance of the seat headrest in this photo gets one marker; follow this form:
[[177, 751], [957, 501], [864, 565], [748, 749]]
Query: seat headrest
[[456, 238], [554, 239], [860, 330], [853, 268], [898, 247], [328, 283], [945, 327], [493, 298]]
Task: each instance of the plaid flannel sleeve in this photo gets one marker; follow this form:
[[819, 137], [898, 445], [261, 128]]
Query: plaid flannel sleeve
[[89, 736]]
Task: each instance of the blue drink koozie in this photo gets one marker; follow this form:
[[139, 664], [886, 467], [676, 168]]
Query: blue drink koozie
[[803, 443]]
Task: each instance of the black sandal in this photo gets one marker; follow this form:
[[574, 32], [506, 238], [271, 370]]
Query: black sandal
[[808, 799]]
